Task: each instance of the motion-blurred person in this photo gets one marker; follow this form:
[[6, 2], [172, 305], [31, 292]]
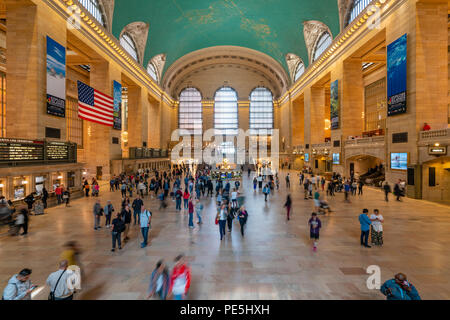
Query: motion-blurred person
[[19, 287], [159, 281], [243, 216], [98, 212], [399, 288], [180, 280], [288, 205], [198, 210]]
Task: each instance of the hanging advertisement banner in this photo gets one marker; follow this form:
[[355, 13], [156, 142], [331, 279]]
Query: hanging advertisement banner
[[334, 105], [56, 78], [117, 106], [396, 76]]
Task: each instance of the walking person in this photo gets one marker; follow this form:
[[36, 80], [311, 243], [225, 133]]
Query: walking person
[[314, 224], [288, 205], [19, 287], [145, 220], [198, 210], [360, 187], [255, 183], [399, 288], [376, 228], [44, 197], [98, 212], [66, 197], [288, 181], [137, 205], [180, 279], [365, 228], [186, 197], [266, 192], [61, 283], [222, 215], [159, 281], [118, 227], [191, 213], [178, 197], [232, 209], [126, 216], [387, 190], [108, 210], [243, 216]]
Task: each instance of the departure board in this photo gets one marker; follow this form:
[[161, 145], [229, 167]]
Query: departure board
[[57, 151], [21, 150]]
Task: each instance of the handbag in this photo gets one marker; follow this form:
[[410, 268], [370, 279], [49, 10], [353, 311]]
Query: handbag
[[51, 295]]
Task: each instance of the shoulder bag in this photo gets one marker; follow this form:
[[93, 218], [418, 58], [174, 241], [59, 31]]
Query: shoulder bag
[[51, 295]]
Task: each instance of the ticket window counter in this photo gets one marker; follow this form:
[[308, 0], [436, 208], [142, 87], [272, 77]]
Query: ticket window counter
[[71, 179], [39, 184], [57, 180], [3, 188], [20, 188]]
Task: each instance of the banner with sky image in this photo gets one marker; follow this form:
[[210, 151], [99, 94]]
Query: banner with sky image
[[396, 76], [56, 78], [334, 105], [117, 106]]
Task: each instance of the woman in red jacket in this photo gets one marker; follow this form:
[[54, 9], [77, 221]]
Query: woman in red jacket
[[186, 197], [180, 279]]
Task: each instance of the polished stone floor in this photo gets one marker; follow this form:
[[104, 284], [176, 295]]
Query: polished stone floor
[[273, 261]]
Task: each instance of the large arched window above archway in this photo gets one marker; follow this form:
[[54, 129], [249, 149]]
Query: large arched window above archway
[[190, 113], [128, 44], [226, 120], [261, 111], [322, 44], [152, 72], [357, 7], [93, 6], [299, 70]]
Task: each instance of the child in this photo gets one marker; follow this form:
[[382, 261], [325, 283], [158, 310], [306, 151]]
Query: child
[[314, 228]]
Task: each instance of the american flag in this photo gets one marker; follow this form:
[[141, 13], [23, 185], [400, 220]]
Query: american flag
[[95, 106]]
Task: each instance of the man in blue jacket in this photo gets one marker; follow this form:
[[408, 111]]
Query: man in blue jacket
[[365, 227], [399, 289]]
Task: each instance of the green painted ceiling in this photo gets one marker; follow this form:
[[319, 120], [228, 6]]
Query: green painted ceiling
[[178, 27]]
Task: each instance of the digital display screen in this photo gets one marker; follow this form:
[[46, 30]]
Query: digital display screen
[[336, 158], [399, 161], [306, 157]]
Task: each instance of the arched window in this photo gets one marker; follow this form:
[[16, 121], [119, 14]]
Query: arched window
[[226, 112], [322, 45], [152, 71], [94, 9], [128, 44], [357, 8], [299, 71], [261, 111], [190, 113]]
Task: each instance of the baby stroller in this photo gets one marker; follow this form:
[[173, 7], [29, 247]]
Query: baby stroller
[[324, 207]]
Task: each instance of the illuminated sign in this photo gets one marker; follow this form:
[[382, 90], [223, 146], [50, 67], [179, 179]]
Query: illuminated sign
[[437, 150]]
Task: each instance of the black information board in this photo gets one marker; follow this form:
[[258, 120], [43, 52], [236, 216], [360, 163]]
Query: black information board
[[35, 151]]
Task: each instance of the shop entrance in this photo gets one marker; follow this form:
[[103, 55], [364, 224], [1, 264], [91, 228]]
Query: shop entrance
[[436, 180], [368, 168]]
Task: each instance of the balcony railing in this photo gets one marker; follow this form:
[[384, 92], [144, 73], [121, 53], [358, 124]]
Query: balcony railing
[[365, 141], [433, 134], [321, 145]]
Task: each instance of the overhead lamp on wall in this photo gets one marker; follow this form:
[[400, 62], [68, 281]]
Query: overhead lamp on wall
[[1, 185]]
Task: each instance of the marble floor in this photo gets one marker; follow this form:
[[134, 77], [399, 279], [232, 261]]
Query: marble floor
[[273, 261]]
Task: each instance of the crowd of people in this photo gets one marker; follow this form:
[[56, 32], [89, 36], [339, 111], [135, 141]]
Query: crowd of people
[[188, 187]]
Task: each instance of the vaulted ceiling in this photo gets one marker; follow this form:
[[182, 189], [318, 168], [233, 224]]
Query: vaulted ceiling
[[179, 27]]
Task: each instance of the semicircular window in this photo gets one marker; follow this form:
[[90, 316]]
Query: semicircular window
[[322, 45], [357, 8], [261, 112], [299, 71], [93, 6], [128, 44], [152, 71], [226, 120], [190, 113]]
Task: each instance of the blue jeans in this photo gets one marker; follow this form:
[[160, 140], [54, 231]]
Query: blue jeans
[[199, 216], [186, 202], [177, 297], [191, 219], [364, 237], [145, 236], [138, 219], [116, 237], [222, 224], [178, 204]]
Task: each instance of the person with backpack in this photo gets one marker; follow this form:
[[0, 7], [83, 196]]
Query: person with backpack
[[145, 221], [180, 279], [19, 287], [118, 227], [98, 212], [108, 210]]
